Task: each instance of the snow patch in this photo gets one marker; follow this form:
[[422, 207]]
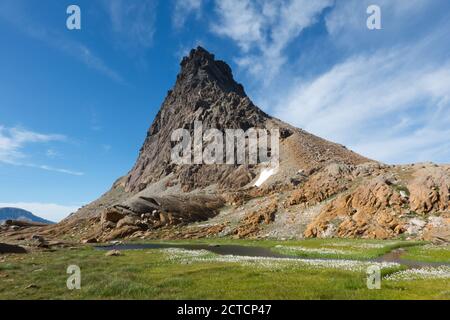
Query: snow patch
[[265, 174]]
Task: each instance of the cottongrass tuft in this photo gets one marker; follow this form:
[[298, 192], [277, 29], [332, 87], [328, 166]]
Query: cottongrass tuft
[[202, 256], [312, 250], [441, 272], [362, 245]]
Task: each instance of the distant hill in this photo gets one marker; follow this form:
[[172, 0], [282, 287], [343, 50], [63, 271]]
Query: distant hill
[[20, 214]]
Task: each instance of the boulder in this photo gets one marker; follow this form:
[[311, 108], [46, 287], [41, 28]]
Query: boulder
[[38, 241], [113, 253], [127, 221], [111, 215], [430, 190], [437, 229], [123, 232], [89, 240]]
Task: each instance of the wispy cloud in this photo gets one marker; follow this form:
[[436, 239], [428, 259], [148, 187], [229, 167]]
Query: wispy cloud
[[15, 14], [53, 169], [348, 18], [49, 211], [183, 9], [264, 29], [385, 94], [85, 55], [392, 104], [13, 141], [133, 21], [51, 153]]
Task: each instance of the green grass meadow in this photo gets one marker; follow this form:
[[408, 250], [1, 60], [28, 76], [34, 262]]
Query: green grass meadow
[[151, 274]]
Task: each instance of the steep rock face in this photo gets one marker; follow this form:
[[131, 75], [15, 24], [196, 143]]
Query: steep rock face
[[204, 91]]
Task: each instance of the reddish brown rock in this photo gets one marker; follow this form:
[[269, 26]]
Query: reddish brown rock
[[328, 182], [111, 215], [370, 211], [429, 190], [251, 224]]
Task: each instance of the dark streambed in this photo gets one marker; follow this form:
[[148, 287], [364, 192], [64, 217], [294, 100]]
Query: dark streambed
[[249, 251], [396, 256]]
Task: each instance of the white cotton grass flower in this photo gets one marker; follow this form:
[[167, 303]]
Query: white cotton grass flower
[[202, 256], [434, 247], [442, 272], [313, 250], [362, 245], [176, 253]]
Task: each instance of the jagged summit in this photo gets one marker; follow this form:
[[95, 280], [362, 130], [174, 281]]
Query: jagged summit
[[200, 67], [204, 91]]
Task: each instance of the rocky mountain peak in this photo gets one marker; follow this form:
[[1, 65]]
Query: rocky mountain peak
[[200, 68], [205, 91]]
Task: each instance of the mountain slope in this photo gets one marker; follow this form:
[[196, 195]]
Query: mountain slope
[[21, 215], [206, 91], [318, 189]]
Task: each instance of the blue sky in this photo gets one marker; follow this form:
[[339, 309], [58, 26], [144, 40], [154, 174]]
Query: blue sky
[[75, 105]]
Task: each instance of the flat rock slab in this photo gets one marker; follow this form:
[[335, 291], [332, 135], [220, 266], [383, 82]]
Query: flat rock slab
[[9, 248]]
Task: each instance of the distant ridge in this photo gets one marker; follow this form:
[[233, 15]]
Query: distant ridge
[[21, 215]]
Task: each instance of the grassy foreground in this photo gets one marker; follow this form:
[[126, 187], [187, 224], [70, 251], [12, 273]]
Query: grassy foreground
[[157, 274], [429, 253]]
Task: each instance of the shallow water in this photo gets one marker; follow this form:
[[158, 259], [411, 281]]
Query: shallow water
[[248, 251], [396, 256]]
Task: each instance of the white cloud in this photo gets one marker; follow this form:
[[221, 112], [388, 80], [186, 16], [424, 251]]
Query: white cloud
[[49, 211], [85, 55], [51, 153], [53, 169], [393, 106], [385, 94], [183, 9], [241, 21], [264, 29], [13, 141], [349, 17], [133, 21], [388, 97]]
